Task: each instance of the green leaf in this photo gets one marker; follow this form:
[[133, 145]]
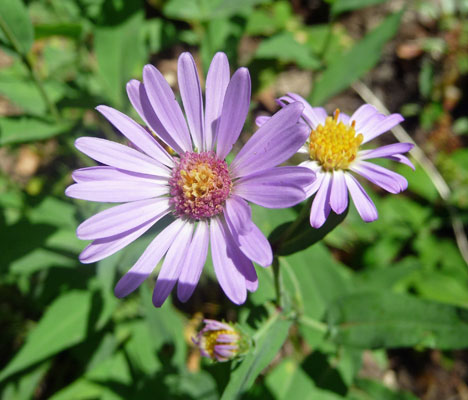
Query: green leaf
[[314, 280], [289, 239], [64, 324], [16, 27], [287, 48], [25, 387], [350, 66], [100, 382], [367, 389], [384, 319], [340, 6], [72, 30], [39, 259], [165, 326], [23, 92], [119, 52], [269, 341], [204, 10], [26, 129]]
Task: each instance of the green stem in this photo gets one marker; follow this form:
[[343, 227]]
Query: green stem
[[277, 283], [273, 317], [314, 324], [29, 65]]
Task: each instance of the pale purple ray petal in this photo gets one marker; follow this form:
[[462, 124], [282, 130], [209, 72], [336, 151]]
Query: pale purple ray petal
[[385, 182], [370, 124], [313, 115], [389, 180], [240, 213], [172, 265], [362, 115], [217, 82], [121, 218], [364, 205], [385, 151], [165, 106], [235, 108], [231, 280], [339, 192], [226, 338], [137, 94], [343, 118], [252, 242], [116, 191], [120, 156], [148, 260], [190, 91], [401, 159], [387, 123], [261, 119], [102, 248], [312, 189], [241, 262], [194, 262], [106, 173], [321, 205], [274, 142], [275, 187], [138, 135], [213, 325]]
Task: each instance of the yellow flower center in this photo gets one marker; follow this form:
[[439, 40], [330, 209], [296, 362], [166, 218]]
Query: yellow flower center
[[334, 145], [200, 185], [199, 181], [210, 340]]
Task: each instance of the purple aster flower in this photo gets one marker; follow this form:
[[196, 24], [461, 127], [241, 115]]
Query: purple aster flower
[[220, 341], [333, 153], [206, 197]]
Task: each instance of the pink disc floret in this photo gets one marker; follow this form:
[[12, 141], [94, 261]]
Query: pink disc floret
[[200, 185]]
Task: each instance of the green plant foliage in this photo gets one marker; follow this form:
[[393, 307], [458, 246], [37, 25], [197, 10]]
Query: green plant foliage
[[65, 323], [350, 66], [268, 340], [349, 311], [16, 29], [385, 319], [285, 47], [340, 6]]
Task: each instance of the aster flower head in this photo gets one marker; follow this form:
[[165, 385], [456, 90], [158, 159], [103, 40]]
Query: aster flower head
[[206, 197], [333, 152], [221, 341]]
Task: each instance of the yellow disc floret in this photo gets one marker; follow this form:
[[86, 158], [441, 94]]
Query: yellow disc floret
[[334, 145]]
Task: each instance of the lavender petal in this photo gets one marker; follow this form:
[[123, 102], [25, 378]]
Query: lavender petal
[[191, 94], [148, 260]]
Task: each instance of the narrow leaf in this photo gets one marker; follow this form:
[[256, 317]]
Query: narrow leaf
[[26, 129], [350, 66], [16, 27], [386, 320], [64, 324], [340, 6]]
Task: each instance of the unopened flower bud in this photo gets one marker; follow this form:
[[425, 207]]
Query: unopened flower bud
[[221, 341]]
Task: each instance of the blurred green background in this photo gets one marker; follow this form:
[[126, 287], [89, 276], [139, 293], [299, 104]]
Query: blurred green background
[[381, 308]]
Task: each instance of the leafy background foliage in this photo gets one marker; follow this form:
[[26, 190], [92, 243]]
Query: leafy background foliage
[[367, 311]]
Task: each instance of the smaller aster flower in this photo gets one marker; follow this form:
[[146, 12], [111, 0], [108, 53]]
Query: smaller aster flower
[[206, 197], [334, 153], [221, 341]]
